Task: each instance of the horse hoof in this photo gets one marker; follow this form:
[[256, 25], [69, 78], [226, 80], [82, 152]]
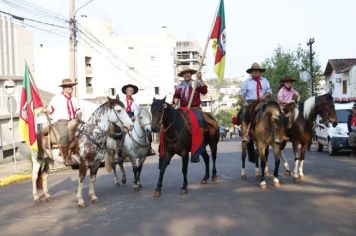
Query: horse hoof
[[244, 177], [157, 194], [276, 184], [37, 201], [287, 173], [263, 186], [94, 200], [117, 184], [82, 205], [301, 177], [204, 181], [123, 180], [214, 179], [183, 192], [49, 199], [140, 186]]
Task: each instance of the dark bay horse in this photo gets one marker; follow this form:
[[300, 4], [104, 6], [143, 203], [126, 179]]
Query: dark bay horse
[[177, 140], [301, 130], [270, 122]]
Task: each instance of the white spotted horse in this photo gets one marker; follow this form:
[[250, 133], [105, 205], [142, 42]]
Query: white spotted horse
[[134, 144], [92, 136]]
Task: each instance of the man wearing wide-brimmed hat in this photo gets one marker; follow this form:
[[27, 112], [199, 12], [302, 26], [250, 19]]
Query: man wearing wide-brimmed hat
[[286, 93], [132, 110], [184, 89], [131, 106], [65, 114], [255, 89]]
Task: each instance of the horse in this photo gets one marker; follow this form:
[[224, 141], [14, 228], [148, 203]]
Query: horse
[[301, 131], [270, 122], [91, 140], [177, 140], [135, 145]]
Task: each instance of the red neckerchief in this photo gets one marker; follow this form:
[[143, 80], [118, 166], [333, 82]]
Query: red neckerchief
[[353, 120], [70, 108], [128, 103], [288, 89], [258, 85]]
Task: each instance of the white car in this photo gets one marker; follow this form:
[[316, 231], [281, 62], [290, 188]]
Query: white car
[[335, 138]]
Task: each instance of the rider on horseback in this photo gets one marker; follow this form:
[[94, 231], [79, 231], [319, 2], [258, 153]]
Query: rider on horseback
[[286, 92], [254, 91], [132, 110], [182, 95], [65, 113]]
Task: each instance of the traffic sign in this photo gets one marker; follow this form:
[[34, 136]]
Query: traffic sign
[[8, 87]]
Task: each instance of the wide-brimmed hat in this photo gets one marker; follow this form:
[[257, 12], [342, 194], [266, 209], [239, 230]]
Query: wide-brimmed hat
[[135, 88], [186, 69], [255, 66], [67, 82], [288, 78]]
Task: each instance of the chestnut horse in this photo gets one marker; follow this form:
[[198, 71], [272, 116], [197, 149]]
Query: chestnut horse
[[177, 140], [301, 130]]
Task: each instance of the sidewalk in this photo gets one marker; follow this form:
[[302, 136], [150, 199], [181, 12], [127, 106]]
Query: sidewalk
[[9, 175]]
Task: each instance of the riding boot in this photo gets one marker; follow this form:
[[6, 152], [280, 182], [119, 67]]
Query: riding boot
[[67, 159], [245, 130]]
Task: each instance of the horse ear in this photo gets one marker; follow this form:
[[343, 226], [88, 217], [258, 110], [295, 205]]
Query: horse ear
[[164, 99], [111, 101], [118, 97], [154, 99]]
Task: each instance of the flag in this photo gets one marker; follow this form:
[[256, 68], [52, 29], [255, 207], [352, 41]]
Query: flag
[[30, 105], [218, 35]]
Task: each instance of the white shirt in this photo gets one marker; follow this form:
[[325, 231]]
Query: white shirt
[[63, 107]]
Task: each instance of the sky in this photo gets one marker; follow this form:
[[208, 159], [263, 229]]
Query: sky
[[254, 29]]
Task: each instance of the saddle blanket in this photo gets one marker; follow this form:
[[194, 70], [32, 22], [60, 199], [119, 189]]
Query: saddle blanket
[[197, 136]]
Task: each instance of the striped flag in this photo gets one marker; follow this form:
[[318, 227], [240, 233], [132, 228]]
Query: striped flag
[[30, 105], [218, 35]]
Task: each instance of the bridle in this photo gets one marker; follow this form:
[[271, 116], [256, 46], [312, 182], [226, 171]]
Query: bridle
[[118, 118], [161, 120]]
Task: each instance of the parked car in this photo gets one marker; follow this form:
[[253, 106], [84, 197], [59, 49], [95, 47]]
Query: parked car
[[335, 138]]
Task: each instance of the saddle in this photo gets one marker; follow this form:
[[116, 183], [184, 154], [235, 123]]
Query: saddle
[[212, 124]]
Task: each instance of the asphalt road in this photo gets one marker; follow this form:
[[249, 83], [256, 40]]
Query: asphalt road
[[324, 204]]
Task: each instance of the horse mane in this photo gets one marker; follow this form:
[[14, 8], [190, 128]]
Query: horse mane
[[309, 105]]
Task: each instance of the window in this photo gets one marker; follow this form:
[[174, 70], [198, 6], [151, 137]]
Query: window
[[112, 91], [156, 90], [131, 68], [344, 86], [131, 48]]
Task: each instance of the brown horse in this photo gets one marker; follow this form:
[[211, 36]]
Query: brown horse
[[177, 140], [270, 122], [301, 130]]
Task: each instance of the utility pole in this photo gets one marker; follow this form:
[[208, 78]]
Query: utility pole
[[72, 44], [310, 44]]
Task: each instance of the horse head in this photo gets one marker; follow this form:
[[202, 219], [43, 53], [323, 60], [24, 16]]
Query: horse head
[[144, 119], [118, 114], [157, 110], [325, 107]]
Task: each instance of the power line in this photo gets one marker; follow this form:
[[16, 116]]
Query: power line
[[16, 17]]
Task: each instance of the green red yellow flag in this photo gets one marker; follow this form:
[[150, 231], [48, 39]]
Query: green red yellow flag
[[218, 35], [30, 105]]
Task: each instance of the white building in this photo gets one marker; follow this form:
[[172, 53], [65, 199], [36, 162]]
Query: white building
[[340, 76], [144, 60], [15, 47]]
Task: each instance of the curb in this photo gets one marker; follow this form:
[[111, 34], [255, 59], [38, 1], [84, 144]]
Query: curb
[[14, 179]]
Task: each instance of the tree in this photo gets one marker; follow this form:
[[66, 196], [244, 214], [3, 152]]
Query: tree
[[225, 116], [291, 63]]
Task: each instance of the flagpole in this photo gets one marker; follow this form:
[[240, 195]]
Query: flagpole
[[203, 56], [32, 79]]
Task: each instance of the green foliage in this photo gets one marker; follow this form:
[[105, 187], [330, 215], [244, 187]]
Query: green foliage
[[225, 116], [291, 63]]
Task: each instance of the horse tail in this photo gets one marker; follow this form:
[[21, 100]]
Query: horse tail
[[108, 163], [39, 185], [252, 155]]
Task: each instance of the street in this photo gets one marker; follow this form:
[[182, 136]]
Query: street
[[324, 204]]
